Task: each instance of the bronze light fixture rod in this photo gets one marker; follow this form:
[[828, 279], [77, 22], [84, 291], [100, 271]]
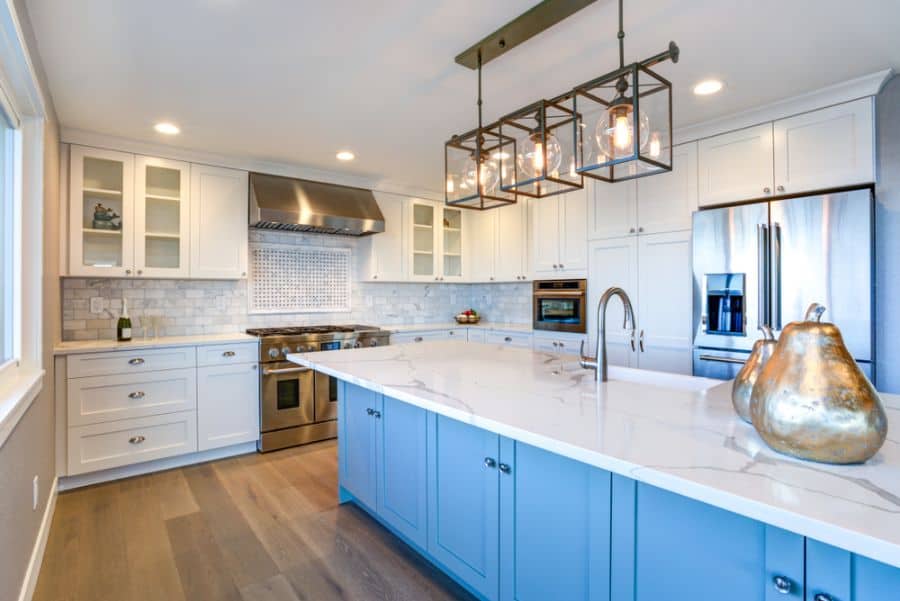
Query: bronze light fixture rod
[[538, 18]]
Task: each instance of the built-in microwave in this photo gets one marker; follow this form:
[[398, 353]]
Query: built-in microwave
[[559, 305]]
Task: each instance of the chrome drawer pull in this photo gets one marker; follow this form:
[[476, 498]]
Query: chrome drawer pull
[[228, 354], [417, 339], [136, 361], [490, 462], [136, 395], [507, 339], [822, 597], [136, 439]]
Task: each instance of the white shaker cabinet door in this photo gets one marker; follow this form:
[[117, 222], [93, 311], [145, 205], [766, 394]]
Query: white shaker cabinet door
[[384, 254], [219, 223], [829, 148], [511, 253], [481, 231], [666, 201], [545, 235], [613, 210], [573, 215], [664, 302], [162, 217], [612, 262], [736, 166], [227, 405]]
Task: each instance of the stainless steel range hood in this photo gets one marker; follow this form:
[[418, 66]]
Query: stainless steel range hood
[[284, 203]]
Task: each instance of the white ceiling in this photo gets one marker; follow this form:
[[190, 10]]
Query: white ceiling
[[294, 81]]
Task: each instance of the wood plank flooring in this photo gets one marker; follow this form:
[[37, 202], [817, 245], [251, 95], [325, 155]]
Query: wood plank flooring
[[251, 528]]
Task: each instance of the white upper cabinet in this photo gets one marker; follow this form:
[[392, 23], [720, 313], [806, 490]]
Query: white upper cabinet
[[560, 235], [162, 217], [101, 212], [384, 254], [613, 212], [829, 148], [481, 230], [736, 166], [139, 216], [219, 222], [511, 254], [665, 202], [438, 247]]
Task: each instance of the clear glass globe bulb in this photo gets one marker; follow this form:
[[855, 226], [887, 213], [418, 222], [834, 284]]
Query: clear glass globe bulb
[[490, 174], [532, 156], [615, 131]]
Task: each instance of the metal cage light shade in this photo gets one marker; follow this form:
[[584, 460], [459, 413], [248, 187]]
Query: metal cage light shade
[[626, 124], [545, 160], [473, 170]]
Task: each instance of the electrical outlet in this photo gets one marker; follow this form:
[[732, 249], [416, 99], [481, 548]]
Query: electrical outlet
[[96, 304], [35, 488]]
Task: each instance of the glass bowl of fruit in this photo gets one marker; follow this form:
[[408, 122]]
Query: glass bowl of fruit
[[468, 316]]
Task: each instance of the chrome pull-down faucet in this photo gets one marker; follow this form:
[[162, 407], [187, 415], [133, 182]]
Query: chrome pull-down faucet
[[599, 363]]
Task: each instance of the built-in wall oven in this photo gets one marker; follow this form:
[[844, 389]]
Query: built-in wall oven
[[299, 405], [560, 305]]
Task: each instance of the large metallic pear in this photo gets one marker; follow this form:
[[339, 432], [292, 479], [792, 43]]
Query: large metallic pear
[[812, 401], [742, 389]]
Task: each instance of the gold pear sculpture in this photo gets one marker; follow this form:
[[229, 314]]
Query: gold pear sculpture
[[811, 399], [742, 389]]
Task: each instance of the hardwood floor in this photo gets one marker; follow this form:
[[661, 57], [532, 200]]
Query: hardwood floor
[[251, 528]]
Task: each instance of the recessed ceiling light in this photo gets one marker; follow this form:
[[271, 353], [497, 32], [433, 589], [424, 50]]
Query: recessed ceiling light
[[707, 87], [169, 129], [345, 155]]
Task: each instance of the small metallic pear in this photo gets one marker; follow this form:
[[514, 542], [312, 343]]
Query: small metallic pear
[[742, 388], [811, 399]]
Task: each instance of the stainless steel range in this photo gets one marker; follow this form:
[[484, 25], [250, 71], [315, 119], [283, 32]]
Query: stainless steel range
[[298, 405]]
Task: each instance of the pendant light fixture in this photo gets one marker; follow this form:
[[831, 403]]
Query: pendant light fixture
[[474, 167], [626, 117]]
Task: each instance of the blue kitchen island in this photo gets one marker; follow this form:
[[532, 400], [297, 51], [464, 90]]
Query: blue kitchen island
[[523, 479]]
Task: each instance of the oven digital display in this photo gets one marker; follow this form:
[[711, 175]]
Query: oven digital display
[[559, 310], [334, 345]]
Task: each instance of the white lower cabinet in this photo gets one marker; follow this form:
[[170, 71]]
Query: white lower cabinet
[[557, 342], [517, 339], [429, 335], [227, 405], [654, 271], [123, 442], [119, 412]]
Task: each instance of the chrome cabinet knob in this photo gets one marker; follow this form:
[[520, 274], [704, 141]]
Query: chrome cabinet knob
[[417, 339], [631, 231], [822, 597], [228, 354], [140, 271], [780, 188], [489, 462], [507, 339], [136, 395], [127, 272], [243, 274], [561, 345], [135, 361], [640, 229], [561, 266], [504, 468], [767, 190], [492, 278], [376, 414], [136, 439], [782, 584], [373, 342], [375, 277], [369, 411], [555, 266], [555, 343]]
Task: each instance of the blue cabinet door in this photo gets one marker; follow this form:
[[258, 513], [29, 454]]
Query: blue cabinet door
[[839, 575], [402, 461], [554, 527], [665, 546], [463, 502], [356, 442]]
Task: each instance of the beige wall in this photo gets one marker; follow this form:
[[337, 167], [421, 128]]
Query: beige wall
[[29, 450]]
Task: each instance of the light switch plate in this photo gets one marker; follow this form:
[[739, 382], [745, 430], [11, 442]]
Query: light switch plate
[[96, 304], [35, 490]]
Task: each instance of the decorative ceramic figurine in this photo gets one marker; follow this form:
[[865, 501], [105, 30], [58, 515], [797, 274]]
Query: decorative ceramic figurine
[[106, 219], [746, 378], [812, 401]]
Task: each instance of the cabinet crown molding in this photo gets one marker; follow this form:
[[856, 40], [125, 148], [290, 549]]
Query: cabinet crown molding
[[839, 93]]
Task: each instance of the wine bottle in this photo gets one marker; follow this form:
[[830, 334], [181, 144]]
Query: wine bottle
[[123, 327]]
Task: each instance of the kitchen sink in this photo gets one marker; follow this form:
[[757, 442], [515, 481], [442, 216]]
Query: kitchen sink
[[661, 379]]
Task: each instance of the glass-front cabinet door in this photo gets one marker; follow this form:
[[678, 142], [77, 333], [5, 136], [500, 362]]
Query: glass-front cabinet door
[[162, 218], [452, 244], [101, 212], [424, 241]]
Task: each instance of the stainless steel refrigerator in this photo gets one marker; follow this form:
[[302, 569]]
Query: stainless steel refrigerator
[[764, 263]]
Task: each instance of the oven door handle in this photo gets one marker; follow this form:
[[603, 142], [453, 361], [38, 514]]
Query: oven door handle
[[285, 370], [561, 293], [719, 359]]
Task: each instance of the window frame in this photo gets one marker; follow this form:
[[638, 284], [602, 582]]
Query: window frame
[[11, 204]]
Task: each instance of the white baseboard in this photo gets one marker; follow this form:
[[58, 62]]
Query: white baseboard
[[127, 471], [37, 554]]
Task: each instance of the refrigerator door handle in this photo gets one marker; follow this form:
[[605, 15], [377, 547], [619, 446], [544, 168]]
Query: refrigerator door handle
[[762, 273], [775, 279]]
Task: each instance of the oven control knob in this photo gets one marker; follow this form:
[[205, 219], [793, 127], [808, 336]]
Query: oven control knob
[[357, 344], [286, 350], [373, 342], [273, 353]]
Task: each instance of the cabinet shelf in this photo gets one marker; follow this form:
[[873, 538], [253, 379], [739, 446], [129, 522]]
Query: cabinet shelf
[[162, 235], [102, 193], [98, 232], [423, 252], [162, 197]]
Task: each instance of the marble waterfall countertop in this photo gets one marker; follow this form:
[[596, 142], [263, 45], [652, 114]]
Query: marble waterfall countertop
[[678, 435]]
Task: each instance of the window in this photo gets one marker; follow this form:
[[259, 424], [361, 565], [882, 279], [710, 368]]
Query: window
[[7, 241]]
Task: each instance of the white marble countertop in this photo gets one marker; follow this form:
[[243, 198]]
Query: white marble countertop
[[97, 346], [688, 442], [452, 325]]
